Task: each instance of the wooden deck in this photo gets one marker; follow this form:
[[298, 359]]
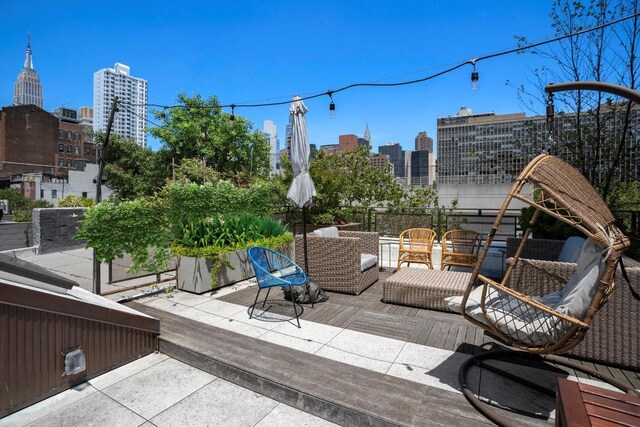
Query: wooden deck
[[449, 331]]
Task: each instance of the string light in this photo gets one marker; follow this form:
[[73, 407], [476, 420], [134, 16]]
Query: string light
[[474, 74], [332, 106], [232, 117]]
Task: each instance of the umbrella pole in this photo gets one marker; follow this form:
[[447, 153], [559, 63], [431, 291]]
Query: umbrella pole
[[306, 259]]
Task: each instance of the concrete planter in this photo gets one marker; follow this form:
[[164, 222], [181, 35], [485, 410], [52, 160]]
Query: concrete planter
[[194, 274]]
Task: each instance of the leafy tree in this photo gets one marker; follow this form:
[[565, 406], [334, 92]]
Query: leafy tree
[[194, 170], [133, 171], [600, 139], [198, 128]]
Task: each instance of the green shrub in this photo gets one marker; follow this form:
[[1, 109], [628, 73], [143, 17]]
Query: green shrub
[[190, 202], [228, 231], [71, 201], [138, 227]]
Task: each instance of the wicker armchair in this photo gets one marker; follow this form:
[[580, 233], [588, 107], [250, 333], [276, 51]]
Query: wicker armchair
[[419, 248], [460, 249], [334, 262], [614, 336]]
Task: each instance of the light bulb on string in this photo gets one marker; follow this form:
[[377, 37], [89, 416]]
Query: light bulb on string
[[474, 75], [332, 106], [232, 116]]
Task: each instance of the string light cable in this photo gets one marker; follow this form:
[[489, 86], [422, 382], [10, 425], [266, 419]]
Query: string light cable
[[330, 93]]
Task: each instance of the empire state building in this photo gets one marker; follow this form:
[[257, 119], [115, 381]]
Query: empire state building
[[28, 89]]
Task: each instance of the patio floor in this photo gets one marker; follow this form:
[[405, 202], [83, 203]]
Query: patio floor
[[448, 331]]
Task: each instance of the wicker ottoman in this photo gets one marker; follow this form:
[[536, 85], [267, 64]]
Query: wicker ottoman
[[424, 288]]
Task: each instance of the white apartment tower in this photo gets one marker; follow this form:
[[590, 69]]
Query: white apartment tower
[[270, 131], [130, 118]]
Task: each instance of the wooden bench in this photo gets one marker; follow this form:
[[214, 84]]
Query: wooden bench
[[424, 288]]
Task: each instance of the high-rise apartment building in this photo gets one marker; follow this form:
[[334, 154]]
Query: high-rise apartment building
[[130, 118], [492, 149], [270, 131], [28, 89], [424, 142]]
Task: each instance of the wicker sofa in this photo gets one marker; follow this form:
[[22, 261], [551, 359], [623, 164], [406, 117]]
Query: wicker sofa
[[334, 262], [614, 336]]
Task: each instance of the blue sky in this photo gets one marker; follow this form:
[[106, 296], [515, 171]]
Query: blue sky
[[244, 51]]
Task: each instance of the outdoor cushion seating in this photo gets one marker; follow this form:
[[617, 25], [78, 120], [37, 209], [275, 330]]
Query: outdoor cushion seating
[[346, 262], [460, 249], [416, 245], [536, 326], [621, 313], [424, 288]]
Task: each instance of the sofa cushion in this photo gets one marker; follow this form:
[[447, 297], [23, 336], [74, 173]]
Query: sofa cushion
[[571, 249], [367, 261], [579, 290], [327, 232]]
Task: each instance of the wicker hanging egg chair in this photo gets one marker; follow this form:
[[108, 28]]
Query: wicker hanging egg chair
[[551, 315]]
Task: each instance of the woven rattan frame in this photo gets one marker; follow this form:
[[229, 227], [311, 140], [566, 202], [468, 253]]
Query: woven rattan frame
[[557, 189], [460, 248], [334, 262], [419, 247]]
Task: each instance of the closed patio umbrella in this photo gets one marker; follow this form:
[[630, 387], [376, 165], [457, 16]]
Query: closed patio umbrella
[[302, 190]]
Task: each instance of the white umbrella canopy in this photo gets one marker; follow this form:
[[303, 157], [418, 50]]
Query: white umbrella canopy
[[302, 190]]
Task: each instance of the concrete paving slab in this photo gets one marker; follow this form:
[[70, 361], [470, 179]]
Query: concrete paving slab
[[61, 400], [316, 332], [95, 410], [366, 345], [354, 359], [127, 370], [219, 403], [428, 365], [155, 389], [286, 416], [306, 345], [222, 308]]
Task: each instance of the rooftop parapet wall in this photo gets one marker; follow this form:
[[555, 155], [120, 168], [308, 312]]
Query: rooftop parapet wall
[[54, 228]]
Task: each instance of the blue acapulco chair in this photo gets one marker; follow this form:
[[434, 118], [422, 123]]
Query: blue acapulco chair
[[274, 269]]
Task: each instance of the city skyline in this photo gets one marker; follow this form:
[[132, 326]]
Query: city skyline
[[378, 44]]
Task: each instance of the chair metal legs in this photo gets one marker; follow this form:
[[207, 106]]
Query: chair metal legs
[[253, 307], [295, 310], [293, 301]]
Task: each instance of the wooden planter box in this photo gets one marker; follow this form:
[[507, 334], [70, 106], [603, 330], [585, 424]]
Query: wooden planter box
[[194, 274]]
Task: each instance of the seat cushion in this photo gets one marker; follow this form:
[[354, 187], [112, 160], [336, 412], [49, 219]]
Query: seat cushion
[[367, 261], [571, 250], [327, 232]]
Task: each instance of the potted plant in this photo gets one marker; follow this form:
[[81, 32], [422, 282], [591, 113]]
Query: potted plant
[[212, 251]]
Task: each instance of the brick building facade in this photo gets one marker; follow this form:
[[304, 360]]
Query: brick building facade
[[33, 140]]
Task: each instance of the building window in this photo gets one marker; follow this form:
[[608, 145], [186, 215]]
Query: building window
[[61, 133], [87, 151], [93, 152], [69, 135], [54, 194], [77, 150], [69, 163], [84, 194], [69, 149], [60, 162], [76, 136], [41, 193], [61, 148]]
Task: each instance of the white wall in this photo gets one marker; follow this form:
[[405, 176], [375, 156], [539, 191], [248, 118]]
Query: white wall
[[476, 196]]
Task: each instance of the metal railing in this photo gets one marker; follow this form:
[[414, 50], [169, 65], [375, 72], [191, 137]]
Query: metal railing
[[391, 222]]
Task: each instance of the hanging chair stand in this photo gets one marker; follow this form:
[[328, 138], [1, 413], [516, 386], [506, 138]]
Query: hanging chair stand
[[539, 329], [494, 414]]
